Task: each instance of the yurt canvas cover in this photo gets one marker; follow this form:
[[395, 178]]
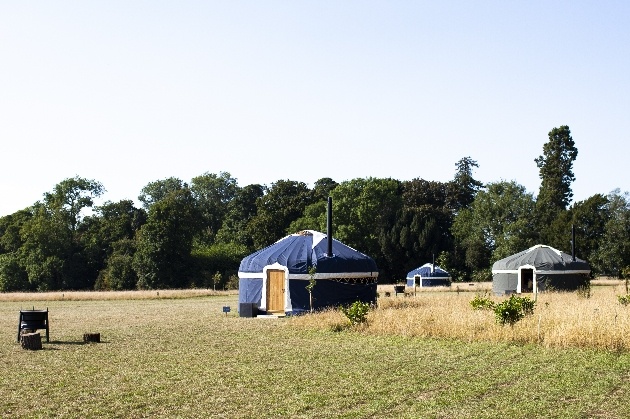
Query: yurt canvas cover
[[343, 278], [428, 275], [539, 268]]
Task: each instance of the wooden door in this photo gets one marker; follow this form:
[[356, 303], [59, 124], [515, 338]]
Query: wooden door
[[275, 291]]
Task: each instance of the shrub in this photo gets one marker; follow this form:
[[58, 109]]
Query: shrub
[[624, 299], [482, 303], [357, 312], [513, 309], [232, 283]]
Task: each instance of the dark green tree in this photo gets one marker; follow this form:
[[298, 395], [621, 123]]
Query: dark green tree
[[163, 255], [464, 187], [70, 197], [213, 193], [239, 213], [10, 227], [283, 203], [422, 229], [221, 258], [52, 251], [13, 277], [589, 218], [47, 246], [118, 273], [555, 167], [613, 254], [364, 212], [107, 234], [158, 190], [322, 188], [313, 218], [498, 223]]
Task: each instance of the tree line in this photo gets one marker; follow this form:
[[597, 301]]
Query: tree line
[[195, 234]]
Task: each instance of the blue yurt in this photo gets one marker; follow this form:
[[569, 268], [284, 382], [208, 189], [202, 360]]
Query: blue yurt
[[275, 278], [539, 268], [428, 275]]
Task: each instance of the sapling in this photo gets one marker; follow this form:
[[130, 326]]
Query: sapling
[[311, 284]]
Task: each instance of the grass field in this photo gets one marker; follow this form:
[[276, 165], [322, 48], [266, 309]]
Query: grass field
[[181, 356]]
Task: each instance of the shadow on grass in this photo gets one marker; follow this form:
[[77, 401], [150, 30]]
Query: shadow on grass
[[72, 342]]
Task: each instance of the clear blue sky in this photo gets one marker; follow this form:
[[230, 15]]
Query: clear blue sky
[[127, 93]]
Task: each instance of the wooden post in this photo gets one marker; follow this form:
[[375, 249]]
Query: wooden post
[[32, 341], [91, 337]]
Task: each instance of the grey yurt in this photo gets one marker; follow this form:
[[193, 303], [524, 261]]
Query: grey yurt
[[275, 278], [428, 275], [539, 268]]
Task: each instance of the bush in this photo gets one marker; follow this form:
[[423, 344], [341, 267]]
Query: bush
[[624, 299], [482, 303], [357, 312], [232, 283], [513, 309]]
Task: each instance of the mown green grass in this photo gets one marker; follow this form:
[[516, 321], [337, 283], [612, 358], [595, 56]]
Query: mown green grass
[[186, 358]]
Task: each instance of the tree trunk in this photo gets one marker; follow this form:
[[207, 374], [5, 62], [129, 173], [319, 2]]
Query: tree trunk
[[31, 341]]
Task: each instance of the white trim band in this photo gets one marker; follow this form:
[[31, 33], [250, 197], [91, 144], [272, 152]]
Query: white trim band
[[516, 271], [341, 275]]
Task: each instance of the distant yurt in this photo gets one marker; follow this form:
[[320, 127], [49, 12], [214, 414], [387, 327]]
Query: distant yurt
[[539, 268], [275, 278], [428, 275]]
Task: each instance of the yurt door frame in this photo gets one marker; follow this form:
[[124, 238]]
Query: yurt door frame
[[275, 289], [525, 276]]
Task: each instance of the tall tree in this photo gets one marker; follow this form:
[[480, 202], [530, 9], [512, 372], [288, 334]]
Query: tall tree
[[159, 189], [497, 224], [422, 229], [213, 193], [464, 187], [555, 167], [70, 197], [314, 216], [277, 209], [163, 256], [10, 226], [613, 255], [589, 218], [239, 212], [108, 234], [365, 211], [322, 188], [47, 246], [52, 252]]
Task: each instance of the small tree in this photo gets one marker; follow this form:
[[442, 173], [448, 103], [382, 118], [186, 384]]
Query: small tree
[[513, 309], [216, 279], [311, 284], [357, 312]]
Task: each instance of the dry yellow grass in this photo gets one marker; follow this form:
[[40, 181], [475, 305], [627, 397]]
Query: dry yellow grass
[[560, 320], [109, 295]]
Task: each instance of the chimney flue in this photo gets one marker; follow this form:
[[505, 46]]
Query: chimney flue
[[573, 242], [329, 232]]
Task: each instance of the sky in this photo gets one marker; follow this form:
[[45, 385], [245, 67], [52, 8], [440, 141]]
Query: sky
[[127, 93]]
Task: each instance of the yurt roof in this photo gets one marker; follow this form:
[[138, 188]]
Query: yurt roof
[[428, 270], [299, 251], [542, 258]]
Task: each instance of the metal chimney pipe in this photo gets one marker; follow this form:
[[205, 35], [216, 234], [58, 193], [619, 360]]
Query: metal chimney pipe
[[329, 232], [573, 242]]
